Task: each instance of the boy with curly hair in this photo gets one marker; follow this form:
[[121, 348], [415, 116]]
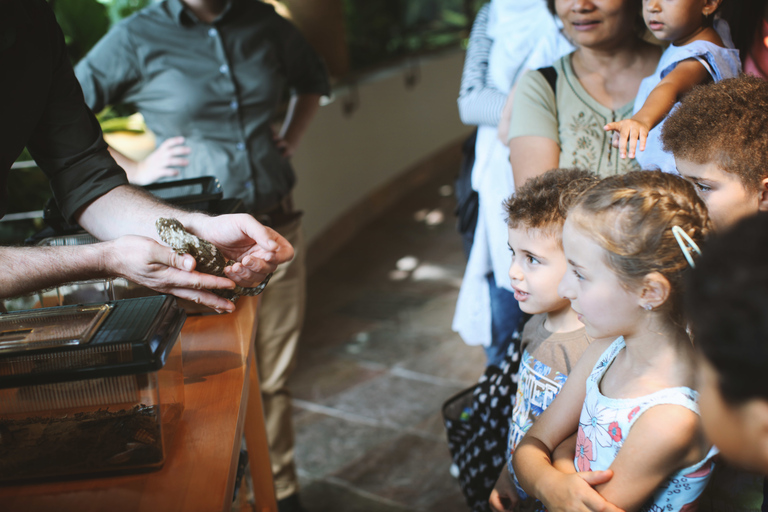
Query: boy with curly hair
[[719, 138], [554, 338]]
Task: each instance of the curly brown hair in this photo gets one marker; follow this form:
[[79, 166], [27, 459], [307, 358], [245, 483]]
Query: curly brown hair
[[631, 216], [543, 202], [725, 123]]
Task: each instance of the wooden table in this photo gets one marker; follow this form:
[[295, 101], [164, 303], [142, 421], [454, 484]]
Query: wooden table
[[221, 389]]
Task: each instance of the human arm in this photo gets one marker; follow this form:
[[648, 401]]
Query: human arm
[[533, 457], [504, 495], [301, 109], [633, 132], [161, 163], [663, 440], [562, 456], [479, 102], [506, 117], [534, 141], [127, 210]]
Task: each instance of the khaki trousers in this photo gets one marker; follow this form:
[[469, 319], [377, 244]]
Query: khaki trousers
[[281, 316]]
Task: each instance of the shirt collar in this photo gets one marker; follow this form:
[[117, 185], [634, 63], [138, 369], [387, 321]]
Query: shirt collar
[[184, 16]]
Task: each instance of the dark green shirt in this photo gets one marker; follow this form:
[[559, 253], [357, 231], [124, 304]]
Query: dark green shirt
[[218, 85], [42, 108]]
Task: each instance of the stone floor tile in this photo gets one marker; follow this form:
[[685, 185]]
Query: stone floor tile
[[388, 344], [325, 444], [452, 359], [328, 497], [319, 376], [409, 470], [393, 400]]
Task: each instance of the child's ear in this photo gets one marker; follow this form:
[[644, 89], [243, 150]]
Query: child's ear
[[710, 6], [655, 291], [762, 204]]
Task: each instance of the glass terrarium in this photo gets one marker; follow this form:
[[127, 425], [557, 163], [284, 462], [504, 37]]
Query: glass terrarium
[[89, 389]]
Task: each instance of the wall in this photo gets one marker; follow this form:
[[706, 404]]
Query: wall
[[345, 159]]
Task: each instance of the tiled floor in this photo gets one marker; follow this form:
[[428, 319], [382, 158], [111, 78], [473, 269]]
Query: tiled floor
[[377, 360]]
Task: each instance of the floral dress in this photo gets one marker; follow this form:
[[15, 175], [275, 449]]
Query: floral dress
[[605, 423]]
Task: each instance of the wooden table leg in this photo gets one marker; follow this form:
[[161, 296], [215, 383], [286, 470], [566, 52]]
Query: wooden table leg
[[258, 448]]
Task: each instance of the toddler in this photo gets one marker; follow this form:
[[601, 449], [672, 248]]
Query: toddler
[[719, 138], [628, 240], [696, 54], [554, 338]]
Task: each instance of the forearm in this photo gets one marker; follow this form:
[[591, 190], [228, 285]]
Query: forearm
[[301, 110], [657, 105], [532, 464], [128, 210], [28, 269]]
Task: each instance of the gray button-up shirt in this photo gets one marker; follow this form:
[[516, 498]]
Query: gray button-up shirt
[[218, 85]]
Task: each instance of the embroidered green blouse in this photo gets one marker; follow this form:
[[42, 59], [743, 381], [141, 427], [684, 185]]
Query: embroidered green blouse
[[572, 118]]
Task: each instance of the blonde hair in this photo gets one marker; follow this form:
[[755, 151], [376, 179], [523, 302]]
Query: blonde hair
[[631, 216]]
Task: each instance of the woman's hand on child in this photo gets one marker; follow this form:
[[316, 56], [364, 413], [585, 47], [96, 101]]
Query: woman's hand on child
[[504, 495], [575, 493], [628, 132]]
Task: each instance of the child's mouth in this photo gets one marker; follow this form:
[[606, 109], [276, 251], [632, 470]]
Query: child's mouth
[[655, 25], [520, 296]]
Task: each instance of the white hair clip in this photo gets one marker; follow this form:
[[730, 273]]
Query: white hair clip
[[686, 244]]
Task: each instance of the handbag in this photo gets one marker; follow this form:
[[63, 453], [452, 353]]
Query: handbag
[[477, 426]]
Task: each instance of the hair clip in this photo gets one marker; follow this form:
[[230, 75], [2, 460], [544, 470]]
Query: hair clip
[[686, 244]]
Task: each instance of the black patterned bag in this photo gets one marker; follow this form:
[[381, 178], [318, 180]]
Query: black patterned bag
[[477, 424]]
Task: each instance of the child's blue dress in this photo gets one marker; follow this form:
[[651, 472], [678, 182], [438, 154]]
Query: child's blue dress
[[606, 422], [720, 62]]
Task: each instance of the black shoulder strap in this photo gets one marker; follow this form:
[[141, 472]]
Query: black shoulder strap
[[550, 74]]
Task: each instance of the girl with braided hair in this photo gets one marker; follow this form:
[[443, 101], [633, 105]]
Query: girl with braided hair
[[630, 401]]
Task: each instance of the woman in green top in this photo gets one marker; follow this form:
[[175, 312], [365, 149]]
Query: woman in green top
[[596, 84]]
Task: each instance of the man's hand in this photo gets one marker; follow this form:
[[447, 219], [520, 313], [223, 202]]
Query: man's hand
[[628, 131], [257, 249], [162, 162], [575, 493], [504, 496], [146, 262]]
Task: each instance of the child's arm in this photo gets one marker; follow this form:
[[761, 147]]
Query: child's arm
[[563, 455], [664, 439], [504, 495], [660, 101], [533, 456]]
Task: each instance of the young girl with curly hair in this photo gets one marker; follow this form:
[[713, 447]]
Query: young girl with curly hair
[[630, 400]]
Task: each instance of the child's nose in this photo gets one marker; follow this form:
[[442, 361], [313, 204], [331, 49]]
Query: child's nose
[[652, 6], [564, 289], [515, 272]]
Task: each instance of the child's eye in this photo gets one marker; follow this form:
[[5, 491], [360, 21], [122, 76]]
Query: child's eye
[[702, 187], [532, 260], [578, 276]]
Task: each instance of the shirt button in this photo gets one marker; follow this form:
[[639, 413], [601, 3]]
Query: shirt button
[[233, 105], [241, 146], [223, 69], [212, 32]]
